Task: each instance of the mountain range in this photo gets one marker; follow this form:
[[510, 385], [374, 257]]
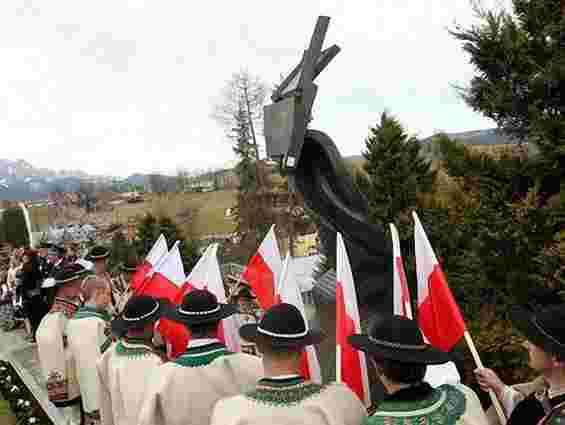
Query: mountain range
[[20, 180]]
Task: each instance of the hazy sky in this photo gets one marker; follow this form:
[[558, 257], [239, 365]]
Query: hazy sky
[[122, 86]]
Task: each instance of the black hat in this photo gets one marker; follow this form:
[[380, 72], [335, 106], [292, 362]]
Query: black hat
[[201, 306], [545, 329], [45, 245], [138, 312], [70, 273], [282, 326], [400, 339], [98, 253], [130, 265]]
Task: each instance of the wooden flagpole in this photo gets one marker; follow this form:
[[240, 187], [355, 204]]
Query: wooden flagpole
[[495, 402]]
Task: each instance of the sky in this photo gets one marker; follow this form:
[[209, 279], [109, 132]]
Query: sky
[[117, 87]]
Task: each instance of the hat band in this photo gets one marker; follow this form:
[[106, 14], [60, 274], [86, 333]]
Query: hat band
[[145, 316], [398, 345], [277, 335], [544, 332], [199, 313]]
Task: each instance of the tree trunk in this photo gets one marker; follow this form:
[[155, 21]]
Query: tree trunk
[[253, 136]]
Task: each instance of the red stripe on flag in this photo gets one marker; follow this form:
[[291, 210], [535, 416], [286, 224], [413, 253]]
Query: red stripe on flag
[[140, 273], [438, 315], [261, 279], [351, 373], [175, 334], [160, 287], [304, 368]]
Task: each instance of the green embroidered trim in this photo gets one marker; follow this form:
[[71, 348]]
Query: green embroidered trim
[[203, 359], [444, 407], [284, 396], [105, 345], [87, 311], [133, 351]]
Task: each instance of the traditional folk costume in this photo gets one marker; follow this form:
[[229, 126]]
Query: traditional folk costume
[[57, 362], [125, 368], [100, 253], [89, 336], [185, 391], [528, 403], [400, 340], [288, 399]]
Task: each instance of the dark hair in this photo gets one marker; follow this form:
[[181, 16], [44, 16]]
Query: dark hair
[[403, 373], [203, 330]]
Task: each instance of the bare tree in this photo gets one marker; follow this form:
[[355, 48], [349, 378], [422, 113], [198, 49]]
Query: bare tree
[[245, 93]]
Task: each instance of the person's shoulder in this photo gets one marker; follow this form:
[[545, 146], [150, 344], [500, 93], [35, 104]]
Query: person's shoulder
[[244, 358]]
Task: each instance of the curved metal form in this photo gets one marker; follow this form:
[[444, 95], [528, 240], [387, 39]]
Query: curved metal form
[[323, 180]]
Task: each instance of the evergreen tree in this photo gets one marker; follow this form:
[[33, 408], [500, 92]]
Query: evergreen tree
[[147, 234], [396, 173], [15, 229], [169, 229], [520, 80], [120, 249]]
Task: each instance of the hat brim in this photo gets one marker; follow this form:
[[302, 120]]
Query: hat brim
[[225, 310], [129, 269], [250, 333], [430, 355], [91, 257], [526, 324], [120, 326]]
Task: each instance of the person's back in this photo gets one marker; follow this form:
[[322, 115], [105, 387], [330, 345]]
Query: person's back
[[186, 390]]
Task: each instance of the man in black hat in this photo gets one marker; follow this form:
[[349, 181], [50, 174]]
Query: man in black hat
[[400, 355], [185, 390], [57, 362], [545, 342], [98, 255], [283, 396], [124, 369], [248, 312]]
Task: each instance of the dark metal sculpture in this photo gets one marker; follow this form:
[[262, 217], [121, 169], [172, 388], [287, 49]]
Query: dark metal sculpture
[[316, 170]]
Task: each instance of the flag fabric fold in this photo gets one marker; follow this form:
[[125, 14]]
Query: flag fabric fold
[[351, 364], [168, 277], [155, 254], [436, 375], [287, 291], [263, 270], [439, 316]]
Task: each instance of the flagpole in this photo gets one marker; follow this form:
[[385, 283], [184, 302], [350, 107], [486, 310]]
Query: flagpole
[[479, 363]]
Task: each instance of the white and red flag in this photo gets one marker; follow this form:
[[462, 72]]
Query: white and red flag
[[157, 252], [439, 316], [167, 278], [401, 293], [263, 270], [287, 291], [436, 375], [351, 364]]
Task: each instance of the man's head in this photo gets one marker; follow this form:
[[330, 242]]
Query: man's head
[[545, 336], [98, 255], [397, 348], [139, 316], [96, 292]]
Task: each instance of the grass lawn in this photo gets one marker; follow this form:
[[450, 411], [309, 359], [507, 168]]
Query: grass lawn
[[6, 416]]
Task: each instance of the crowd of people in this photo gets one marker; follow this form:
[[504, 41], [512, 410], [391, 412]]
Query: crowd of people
[[105, 362]]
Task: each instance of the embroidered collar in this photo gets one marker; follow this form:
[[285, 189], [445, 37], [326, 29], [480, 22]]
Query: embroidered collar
[[284, 391], [134, 347], [65, 306], [88, 311], [445, 404], [202, 355]]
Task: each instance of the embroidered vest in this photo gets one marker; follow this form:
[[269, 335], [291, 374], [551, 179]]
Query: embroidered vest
[[284, 392]]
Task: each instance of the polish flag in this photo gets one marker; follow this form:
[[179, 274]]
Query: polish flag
[[176, 334], [436, 375], [351, 364], [287, 291], [401, 294], [157, 252], [168, 277], [438, 314], [228, 329], [263, 270]]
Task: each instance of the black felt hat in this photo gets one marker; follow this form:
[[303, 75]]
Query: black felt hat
[[70, 273], [138, 312], [545, 329], [282, 326], [98, 253], [130, 265], [201, 306], [400, 339]]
